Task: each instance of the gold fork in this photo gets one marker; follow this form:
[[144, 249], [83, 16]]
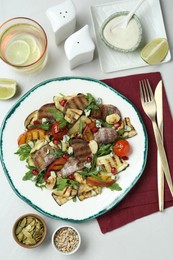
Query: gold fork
[[149, 106]]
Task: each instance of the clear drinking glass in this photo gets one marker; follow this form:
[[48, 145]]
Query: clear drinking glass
[[23, 44]]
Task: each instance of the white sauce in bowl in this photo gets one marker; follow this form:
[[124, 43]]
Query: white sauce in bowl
[[123, 39]]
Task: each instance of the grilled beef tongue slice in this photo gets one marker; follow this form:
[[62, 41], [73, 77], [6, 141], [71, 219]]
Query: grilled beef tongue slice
[[105, 135], [81, 149], [76, 102], [71, 166], [104, 111], [44, 156], [44, 112]]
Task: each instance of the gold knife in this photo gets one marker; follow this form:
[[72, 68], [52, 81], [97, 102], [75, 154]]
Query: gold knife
[[160, 174]]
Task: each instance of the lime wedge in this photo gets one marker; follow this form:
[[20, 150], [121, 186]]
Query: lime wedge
[[17, 52], [7, 88], [155, 51]]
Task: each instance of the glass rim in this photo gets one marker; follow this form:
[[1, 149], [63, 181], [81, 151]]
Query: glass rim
[[45, 36]]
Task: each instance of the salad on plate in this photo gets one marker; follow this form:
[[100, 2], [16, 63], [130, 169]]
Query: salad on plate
[[75, 146]]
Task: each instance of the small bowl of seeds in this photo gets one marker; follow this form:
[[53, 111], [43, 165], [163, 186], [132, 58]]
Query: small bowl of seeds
[[29, 230], [66, 240]]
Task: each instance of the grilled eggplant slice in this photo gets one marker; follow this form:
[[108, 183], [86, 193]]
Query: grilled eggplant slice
[[65, 195], [107, 162], [29, 121], [85, 191], [126, 129], [72, 115], [80, 123]]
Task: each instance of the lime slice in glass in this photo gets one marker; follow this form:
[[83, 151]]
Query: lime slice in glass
[[155, 51], [30, 40], [7, 88], [17, 52], [34, 56]]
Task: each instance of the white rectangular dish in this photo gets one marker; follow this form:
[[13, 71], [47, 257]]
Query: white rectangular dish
[[151, 18]]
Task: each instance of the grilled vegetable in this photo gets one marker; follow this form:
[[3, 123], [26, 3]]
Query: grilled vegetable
[[113, 118], [57, 131], [60, 102], [100, 182], [78, 126], [85, 191], [89, 130], [72, 115], [55, 166], [31, 118], [126, 129], [51, 181], [108, 162], [32, 135], [65, 195], [122, 148]]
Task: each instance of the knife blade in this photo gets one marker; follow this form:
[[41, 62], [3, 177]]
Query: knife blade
[[160, 174]]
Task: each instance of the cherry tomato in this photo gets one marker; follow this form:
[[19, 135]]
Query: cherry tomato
[[58, 132], [122, 148]]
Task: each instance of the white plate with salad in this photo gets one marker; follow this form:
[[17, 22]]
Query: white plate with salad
[[77, 148]]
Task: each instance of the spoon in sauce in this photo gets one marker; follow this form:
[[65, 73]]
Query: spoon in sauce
[[124, 22]]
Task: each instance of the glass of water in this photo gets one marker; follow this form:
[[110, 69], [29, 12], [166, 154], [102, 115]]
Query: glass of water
[[23, 44]]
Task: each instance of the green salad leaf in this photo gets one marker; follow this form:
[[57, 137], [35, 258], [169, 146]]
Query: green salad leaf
[[92, 102], [24, 151], [64, 182], [114, 186], [58, 116]]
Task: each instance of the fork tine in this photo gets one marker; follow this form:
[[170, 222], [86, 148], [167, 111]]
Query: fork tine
[[146, 91], [149, 89], [141, 91]]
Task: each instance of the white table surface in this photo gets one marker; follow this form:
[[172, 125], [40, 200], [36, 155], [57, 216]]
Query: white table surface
[[147, 238]]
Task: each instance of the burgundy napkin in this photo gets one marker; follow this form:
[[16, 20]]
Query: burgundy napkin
[[142, 200]]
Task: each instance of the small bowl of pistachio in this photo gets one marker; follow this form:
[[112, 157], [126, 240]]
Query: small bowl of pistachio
[[29, 230]]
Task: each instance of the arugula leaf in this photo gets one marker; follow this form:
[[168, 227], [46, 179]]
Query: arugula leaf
[[64, 182], [58, 152], [104, 149], [114, 186], [92, 102], [23, 151], [88, 172], [28, 176], [58, 116], [38, 179]]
